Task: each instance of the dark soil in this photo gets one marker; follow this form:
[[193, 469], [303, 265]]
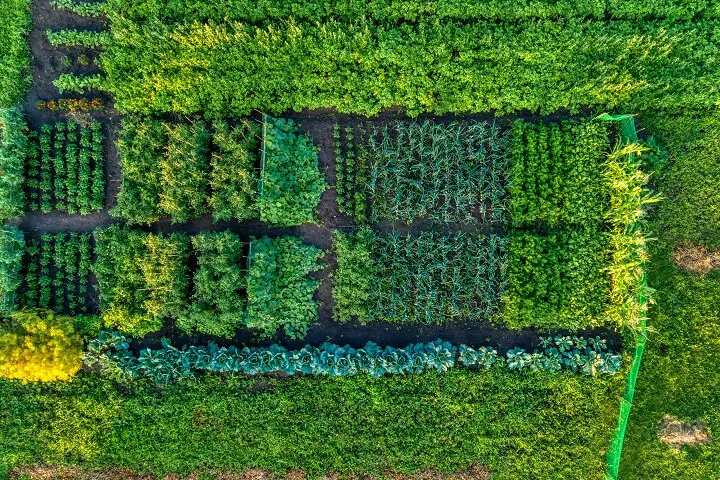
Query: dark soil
[[48, 65]]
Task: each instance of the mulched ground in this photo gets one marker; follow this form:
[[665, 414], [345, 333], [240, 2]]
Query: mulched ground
[[48, 65]]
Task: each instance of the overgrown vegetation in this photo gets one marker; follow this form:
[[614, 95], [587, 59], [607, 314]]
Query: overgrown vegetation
[[363, 66], [38, 346], [428, 278], [280, 295], [57, 273], [65, 169], [561, 422]]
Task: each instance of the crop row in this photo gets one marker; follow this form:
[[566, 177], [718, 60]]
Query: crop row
[[223, 69], [145, 279], [65, 169], [57, 272], [239, 171], [110, 352]]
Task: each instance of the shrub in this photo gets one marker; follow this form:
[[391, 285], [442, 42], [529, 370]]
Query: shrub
[[217, 306], [13, 152], [291, 184], [38, 346], [279, 292]]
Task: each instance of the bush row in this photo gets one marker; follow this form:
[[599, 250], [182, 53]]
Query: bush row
[[81, 7], [146, 278], [110, 352], [172, 11], [186, 170], [12, 245], [65, 168], [429, 278], [75, 38], [232, 68]]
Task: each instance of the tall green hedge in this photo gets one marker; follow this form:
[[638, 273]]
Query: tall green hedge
[[13, 153], [15, 58]]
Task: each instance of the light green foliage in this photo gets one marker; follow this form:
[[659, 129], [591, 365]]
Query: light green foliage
[[429, 278], [141, 149], [57, 272], [13, 152], [234, 170], [185, 172], [12, 247], [73, 38], [15, 58], [81, 7], [143, 278], [65, 168], [355, 276], [364, 66], [560, 422], [78, 83], [291, 183], [556, 174], [556, 280], [280, 295], [441, 172], [217, 306]]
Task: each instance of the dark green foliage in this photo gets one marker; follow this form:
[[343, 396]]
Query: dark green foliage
[[556, 280], [13, 152], [363, 66], [234, 170], [81, 7], [430, 278], [12, 247], [185, 172], [291, 184], [536, 425], [57, 273], [217, 306], [65, 168], [15, 58], [556, 174], [141, 148], [280, 295], [143, 278], [351, 165]]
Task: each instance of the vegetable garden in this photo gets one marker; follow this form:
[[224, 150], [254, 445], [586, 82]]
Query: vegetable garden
[[377, 239]]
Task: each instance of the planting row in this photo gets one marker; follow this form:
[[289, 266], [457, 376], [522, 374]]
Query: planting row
[[239, 171], [110, 352]]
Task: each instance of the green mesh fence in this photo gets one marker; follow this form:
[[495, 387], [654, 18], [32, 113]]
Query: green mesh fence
[[628, 134]]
